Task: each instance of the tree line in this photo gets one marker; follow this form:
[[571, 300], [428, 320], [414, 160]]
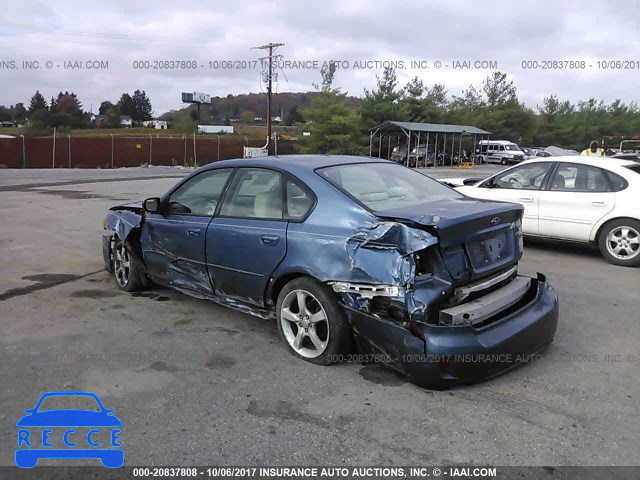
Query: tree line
[[493, 106], [66, 111]]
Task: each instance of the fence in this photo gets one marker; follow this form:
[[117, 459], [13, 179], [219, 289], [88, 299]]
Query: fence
[[116, 152]]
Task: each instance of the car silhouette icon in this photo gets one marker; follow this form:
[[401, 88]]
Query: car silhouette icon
[[32, 446]]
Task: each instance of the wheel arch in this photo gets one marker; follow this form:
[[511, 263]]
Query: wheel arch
[[133, 240], [598, 230], [276, 285]]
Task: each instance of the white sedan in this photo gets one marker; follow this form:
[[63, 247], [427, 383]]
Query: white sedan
[[594, 200]]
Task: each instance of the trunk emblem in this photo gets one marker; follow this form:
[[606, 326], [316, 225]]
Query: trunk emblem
[[495, 220]]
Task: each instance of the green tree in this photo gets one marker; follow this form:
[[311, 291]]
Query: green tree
[[68, 111], [246, 116], [126, 105], [111, 118], [434, 104], [384, 102], [498, 89], [18, 113], [5, 114], [293, 116], [37, 102], [334, 127], [104, 106], [142, 106], [411, 104]]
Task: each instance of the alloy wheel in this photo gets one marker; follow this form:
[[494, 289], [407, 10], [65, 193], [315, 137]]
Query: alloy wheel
[[304, 323], [623, 242]]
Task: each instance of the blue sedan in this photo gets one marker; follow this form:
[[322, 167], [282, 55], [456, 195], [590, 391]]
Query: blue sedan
[[348, 254]]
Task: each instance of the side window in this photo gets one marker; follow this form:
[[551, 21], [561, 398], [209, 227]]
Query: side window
[[199, 195], [502, 148], [617, 182], [254, 193], [572, 177], [299, 200], [523, 177]]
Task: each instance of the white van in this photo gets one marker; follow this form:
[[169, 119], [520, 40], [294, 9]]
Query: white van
[[498, 151]]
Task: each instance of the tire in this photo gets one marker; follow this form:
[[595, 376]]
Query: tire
[[619, 242], [320, 341], [503, 161], [126, 267]]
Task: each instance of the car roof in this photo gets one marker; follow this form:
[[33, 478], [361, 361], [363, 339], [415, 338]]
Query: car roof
[[296, 162], [584, 160]]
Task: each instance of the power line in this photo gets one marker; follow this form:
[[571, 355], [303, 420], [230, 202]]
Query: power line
[[271, 47]]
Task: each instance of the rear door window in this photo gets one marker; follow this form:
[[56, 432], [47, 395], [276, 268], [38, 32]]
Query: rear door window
[[254, 193]]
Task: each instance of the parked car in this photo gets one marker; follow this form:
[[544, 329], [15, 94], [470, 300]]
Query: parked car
[[399, 154], [498, 151], [419, 156], [542, 153], [345, 252], [576, 198]]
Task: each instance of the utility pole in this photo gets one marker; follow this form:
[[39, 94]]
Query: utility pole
[[271, 47]]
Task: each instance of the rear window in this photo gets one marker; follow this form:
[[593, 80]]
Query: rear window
[[634, 168], [385, 186], [617, 182]]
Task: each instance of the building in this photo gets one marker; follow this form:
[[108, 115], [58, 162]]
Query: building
[[155, 123], [126, 121], [215, 129]]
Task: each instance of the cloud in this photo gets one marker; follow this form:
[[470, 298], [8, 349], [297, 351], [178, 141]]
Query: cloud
[[219, 36]]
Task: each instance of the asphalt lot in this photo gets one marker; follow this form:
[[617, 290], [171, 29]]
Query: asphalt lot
[[199, 384]]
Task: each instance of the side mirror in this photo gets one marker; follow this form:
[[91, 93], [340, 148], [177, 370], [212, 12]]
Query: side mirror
[[152, 205]]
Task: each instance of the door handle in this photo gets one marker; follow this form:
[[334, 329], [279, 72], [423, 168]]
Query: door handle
[[598, 204], [269, 239], [526, 199], [194, 232]]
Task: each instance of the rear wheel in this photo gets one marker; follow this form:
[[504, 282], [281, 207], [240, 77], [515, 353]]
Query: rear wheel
[[311, 322], [619, 242], [126, 268], [503, 161]]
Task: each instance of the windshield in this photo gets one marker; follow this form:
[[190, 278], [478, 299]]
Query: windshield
[[386, 186], [511, 146], [69, 402]]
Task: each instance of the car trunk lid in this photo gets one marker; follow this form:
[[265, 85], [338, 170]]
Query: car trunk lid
[[476, 237]]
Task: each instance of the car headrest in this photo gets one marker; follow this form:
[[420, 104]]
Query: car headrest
[[268, 205]]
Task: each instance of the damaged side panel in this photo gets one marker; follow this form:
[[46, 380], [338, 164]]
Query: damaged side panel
[[122, 222], [159, 239], [379, 278]]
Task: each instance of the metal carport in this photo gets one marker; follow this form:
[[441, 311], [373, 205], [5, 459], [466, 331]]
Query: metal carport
[[436, 131]]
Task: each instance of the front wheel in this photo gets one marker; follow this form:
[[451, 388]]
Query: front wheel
[[311, 322], [619, 242], [503, 161], [126, 269]]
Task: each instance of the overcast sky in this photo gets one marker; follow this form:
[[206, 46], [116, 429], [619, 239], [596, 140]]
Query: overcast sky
[[349, 31]]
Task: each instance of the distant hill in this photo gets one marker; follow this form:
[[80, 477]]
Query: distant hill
[[232, 106]]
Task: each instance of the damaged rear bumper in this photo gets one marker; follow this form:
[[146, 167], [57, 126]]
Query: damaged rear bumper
[[439, 356]]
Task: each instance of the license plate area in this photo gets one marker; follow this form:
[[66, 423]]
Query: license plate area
[[488, 252]]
